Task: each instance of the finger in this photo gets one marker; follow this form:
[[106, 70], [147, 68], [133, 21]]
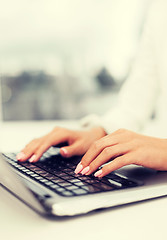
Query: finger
[[59, 136], [53, 138], [75, 149], [107, 154], [117, 163], [28, 151], [35, 150], [97, 147], [38, 153]]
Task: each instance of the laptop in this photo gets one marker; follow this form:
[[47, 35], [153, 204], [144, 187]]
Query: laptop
[[51, 188]]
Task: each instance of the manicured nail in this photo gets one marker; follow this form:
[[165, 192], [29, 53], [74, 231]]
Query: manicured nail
[[20, 156], [98, 173], [32, 159], [65, 152], [78, 168], [85, 170]]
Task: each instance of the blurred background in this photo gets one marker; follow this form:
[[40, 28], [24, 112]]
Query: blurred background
[[65, 59]]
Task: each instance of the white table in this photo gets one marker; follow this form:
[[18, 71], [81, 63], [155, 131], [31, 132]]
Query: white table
[[145, 220]]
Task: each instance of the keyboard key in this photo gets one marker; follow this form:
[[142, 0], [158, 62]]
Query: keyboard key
[[82, 177], [80, 183], [38, 177], [74, 180], [64, 184], [91, 189], [57, 187], [48, 183], [43, 180], [103, 186], [79, 191], [67, 193], [115, 183], [71, 187], [68, 170], [68, 177], [52, 177], [34, 175], [57, 180]]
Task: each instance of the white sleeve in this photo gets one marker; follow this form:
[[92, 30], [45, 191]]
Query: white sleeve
[[138, 96]]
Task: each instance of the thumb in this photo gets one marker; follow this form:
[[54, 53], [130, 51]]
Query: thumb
[[72, 150]]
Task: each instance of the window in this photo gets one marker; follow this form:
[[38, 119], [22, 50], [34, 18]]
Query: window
[[65, 59]]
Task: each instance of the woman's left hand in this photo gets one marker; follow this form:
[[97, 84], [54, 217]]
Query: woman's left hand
[[123, 148]]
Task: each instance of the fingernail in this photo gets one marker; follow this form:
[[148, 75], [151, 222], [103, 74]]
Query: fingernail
[[32, 159], [98, 173], [65, 152], [20, 156], [78, 168], [85, 170]]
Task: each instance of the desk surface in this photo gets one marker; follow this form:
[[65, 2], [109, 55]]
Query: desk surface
[[146, 220]]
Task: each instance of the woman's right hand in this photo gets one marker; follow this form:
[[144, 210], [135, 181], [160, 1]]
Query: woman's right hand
[[78, 143]]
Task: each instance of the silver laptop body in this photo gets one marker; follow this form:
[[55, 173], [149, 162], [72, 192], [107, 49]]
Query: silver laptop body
[[41, 198]]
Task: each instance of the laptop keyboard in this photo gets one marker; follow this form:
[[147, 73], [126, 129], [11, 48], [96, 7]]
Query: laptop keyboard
[[57, 174]]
